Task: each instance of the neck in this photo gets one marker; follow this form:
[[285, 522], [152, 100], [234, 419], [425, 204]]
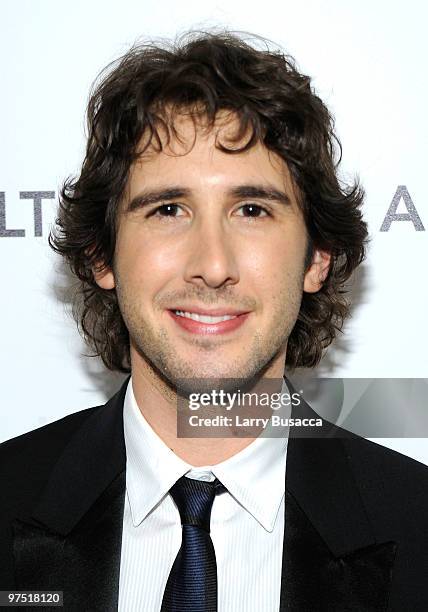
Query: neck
[[158, 404]]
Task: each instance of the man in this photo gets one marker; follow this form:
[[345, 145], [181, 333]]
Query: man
[[212, 240]]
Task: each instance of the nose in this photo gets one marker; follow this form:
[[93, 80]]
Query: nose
[[211, 257]]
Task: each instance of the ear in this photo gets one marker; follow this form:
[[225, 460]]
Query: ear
[[317, 271], [104, 277]]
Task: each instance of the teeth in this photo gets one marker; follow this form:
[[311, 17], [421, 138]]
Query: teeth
[[204, 318]]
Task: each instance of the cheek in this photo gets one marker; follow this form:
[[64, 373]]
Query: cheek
[[145, 262], [270, 257], [276, 267]]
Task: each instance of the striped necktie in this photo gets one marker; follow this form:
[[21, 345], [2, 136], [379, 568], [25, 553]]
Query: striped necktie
[[192, 582]]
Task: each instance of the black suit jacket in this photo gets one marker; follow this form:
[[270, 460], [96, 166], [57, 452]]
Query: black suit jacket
[[356, 521]]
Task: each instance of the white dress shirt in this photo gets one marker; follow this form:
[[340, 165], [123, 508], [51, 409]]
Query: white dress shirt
[[247, 521]]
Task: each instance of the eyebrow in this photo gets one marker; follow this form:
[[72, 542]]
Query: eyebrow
[[146, 198]]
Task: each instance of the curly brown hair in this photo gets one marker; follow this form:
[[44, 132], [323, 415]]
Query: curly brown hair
[[204, 73]]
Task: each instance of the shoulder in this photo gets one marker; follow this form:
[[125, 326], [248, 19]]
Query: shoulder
[[384, 461], [371, 461], [44, 440], [393, 487], [27, 460]]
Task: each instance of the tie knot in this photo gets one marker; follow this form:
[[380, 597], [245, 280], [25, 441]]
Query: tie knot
[[194, 500]]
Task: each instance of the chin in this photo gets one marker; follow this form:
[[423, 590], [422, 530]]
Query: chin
[[227, 379], [185, 387]]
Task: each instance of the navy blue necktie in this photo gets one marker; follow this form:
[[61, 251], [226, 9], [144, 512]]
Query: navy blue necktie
[[192, 582]]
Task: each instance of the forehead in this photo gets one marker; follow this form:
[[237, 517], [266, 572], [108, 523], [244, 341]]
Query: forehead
[[190, 146]]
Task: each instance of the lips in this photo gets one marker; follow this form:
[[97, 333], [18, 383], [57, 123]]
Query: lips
[[215, 312], [208, 322], [203, 318]]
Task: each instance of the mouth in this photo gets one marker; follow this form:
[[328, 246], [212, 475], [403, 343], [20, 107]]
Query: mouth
[[218, 321]]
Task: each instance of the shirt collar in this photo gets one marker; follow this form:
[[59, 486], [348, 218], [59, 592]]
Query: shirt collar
[[255, 476]]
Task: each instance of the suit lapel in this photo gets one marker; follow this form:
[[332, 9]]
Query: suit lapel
[[332, 560], [72, 540], [84, 563], [315, 579]]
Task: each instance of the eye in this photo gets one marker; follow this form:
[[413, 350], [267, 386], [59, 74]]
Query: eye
[[254, 210], [165, 210]]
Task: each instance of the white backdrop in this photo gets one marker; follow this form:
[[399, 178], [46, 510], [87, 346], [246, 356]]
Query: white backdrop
[[368, 61]]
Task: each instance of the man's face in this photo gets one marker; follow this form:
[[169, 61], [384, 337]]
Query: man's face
[[203, 230]]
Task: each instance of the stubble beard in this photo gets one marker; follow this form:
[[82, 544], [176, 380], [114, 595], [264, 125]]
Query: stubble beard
[[157, 352]]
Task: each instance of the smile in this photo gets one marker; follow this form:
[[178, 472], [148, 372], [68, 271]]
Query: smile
[[204, 318], [198, 323]]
